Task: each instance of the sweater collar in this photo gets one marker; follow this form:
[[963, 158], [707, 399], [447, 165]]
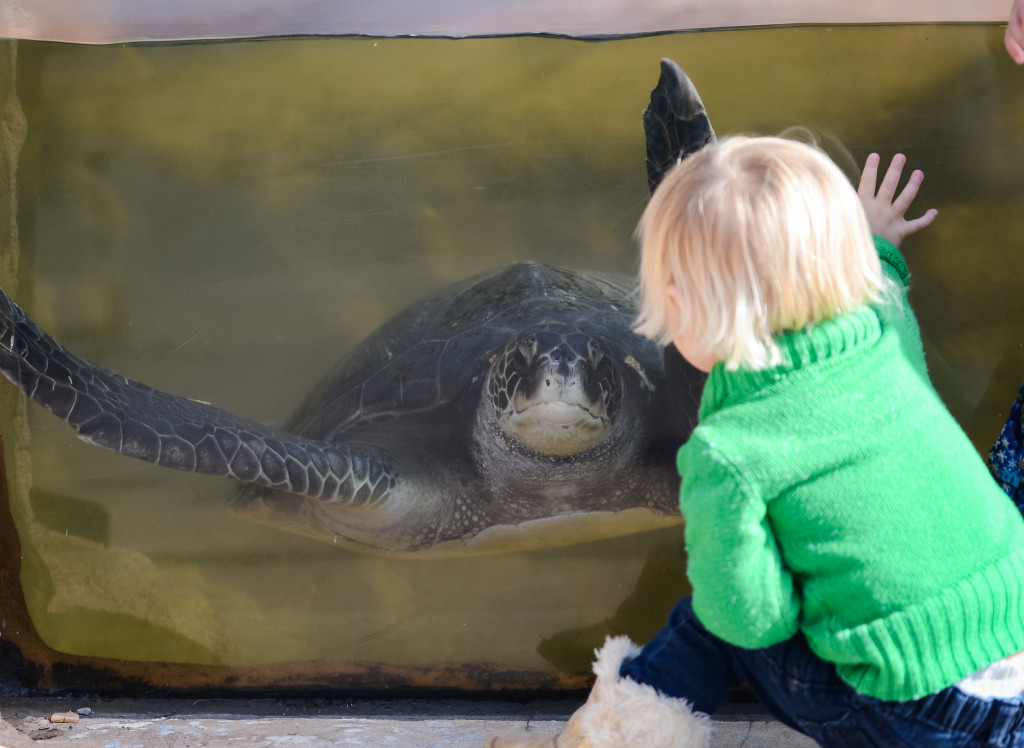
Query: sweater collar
[[800, 349]]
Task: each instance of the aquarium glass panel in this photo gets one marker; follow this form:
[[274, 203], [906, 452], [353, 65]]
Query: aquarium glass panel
[[226, 221]]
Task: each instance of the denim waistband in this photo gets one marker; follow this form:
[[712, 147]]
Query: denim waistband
[[969, 715]]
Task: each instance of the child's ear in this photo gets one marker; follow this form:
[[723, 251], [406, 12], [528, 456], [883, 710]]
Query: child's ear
[[674, 301]]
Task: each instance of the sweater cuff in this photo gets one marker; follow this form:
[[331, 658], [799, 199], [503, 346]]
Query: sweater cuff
[[891, 256]]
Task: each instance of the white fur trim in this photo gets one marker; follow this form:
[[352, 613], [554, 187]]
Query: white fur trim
[[608, 660], [622, 713]]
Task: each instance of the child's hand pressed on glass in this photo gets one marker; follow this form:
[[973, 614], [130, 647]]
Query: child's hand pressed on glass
[[885, 210]]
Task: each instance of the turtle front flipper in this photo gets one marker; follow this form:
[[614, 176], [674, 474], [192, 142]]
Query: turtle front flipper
[[675, 123], [117, 413]]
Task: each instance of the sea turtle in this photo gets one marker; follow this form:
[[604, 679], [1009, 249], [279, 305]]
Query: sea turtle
[[513, 410]]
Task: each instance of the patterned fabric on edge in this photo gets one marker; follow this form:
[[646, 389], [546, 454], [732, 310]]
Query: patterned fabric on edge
[[1006, 458]]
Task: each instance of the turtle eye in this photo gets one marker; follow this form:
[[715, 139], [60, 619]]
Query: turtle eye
[[526, 350]]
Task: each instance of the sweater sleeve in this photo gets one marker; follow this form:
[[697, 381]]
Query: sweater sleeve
[[742, 592], [897, 311], [893, 264]]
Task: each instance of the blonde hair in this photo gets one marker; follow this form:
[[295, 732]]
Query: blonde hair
[[758, 236]]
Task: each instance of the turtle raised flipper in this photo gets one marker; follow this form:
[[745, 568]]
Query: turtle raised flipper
[[675, 123], [120, 414]]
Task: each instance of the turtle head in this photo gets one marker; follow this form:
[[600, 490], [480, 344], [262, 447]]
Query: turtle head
[[555, 393]]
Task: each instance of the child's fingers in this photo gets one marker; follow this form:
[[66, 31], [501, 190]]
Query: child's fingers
[[892, 177], [1015, 32], [902, 203], [912, 227], [1014, 48], [868, 178]]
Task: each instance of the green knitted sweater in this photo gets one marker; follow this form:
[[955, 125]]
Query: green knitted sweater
[[835, 495]]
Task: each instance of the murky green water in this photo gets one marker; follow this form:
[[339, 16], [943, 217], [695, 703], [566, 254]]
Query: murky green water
[[226, 220]]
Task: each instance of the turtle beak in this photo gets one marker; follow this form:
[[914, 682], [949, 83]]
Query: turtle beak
[[553, 397], [560, 377], [563, 360]]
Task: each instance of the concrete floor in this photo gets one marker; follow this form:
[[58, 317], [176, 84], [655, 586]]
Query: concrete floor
[[170, 724]]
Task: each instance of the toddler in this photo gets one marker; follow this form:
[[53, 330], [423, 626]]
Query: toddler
[[851, 558]]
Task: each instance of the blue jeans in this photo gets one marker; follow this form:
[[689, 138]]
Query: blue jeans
[[687, 661]]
